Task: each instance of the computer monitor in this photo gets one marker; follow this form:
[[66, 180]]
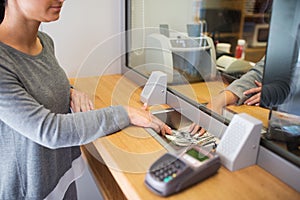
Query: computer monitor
[[221, 20], [282, 63]]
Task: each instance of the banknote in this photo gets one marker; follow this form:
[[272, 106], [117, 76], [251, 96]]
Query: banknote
[[184, 138]]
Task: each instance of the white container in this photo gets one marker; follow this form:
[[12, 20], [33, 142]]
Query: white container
[[225, 47]]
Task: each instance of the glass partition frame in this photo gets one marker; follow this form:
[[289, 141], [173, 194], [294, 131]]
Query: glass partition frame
[[268, 144]]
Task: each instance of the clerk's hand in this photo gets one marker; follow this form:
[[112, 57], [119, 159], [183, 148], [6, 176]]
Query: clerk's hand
[[80, 102], [216, 105], [256, 93], [196, 129], [142, 117]]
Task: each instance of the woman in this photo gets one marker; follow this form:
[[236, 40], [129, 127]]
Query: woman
[[39, 140]]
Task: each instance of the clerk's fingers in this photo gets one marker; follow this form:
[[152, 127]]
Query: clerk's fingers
[[254, 100], [259, 84], [252, 91], [202, 131], [196, 129]]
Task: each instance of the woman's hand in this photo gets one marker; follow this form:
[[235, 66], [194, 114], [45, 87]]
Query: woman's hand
[[79, 101], [255, 99], [143, 118]]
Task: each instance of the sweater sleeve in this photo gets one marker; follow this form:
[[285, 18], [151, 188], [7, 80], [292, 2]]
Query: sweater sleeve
[[22, 113], [246, 82]]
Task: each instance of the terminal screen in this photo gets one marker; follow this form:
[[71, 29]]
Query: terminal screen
[[197, 155]]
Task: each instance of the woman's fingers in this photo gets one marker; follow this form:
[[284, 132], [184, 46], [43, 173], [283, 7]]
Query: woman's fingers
[[80, 101]]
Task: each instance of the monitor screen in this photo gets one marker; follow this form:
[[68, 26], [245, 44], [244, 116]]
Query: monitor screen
[[282, 63], [262, 35], [221, 20]]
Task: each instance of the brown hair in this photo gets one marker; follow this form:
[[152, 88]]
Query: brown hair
[[2, 9]]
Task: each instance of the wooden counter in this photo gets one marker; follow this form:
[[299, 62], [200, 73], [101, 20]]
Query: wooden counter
[[120, 161], [258, 112], [202, 92]]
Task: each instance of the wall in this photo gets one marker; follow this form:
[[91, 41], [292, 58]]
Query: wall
[[86, 41], [175, 13], [86, 37]]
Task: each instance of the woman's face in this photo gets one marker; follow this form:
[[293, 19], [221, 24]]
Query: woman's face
[[39, 10]]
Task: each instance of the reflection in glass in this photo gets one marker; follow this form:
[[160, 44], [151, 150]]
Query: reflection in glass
[[179, 37], [192, 58]]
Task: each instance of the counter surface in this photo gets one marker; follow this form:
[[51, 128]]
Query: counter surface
[[120, 161]]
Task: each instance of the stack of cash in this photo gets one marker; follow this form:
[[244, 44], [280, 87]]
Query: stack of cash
[[184, 138]]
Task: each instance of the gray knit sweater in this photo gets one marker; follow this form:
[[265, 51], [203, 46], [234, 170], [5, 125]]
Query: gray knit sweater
[[246, 82], [39, 138]]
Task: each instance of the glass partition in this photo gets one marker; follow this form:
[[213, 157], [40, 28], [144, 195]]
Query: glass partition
[[194, 43]]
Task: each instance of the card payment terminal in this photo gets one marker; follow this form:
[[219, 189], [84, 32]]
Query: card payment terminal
[[172, 173]]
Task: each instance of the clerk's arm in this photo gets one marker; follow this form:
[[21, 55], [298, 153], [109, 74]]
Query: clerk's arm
[[247, 90]]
